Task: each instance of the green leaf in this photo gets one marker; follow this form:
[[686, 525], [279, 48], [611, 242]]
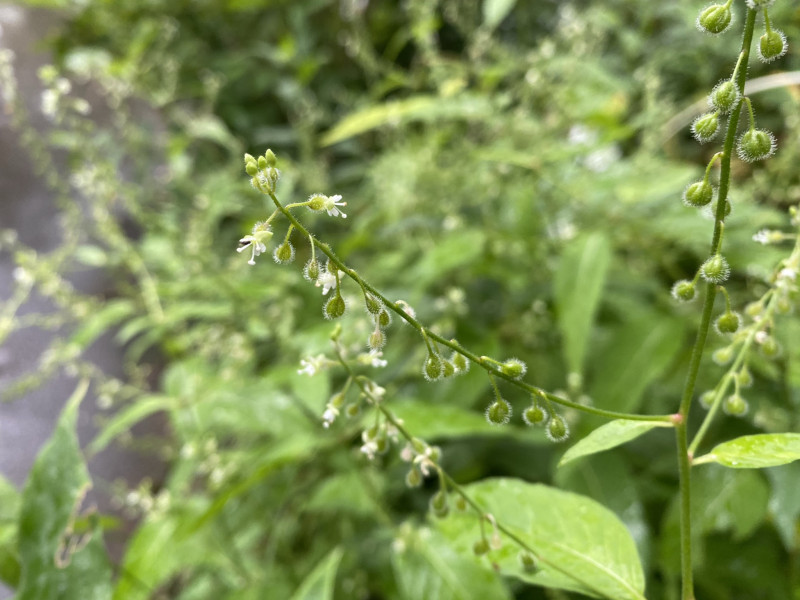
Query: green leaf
[[608, 436], [426, 566], [635, 357], [579, 284], [583, 546], [128, 417], [319, 584], [755, 451], [98, 323], [416, 108], [55, 563], [494, 11], [10, 501], [784, 503]]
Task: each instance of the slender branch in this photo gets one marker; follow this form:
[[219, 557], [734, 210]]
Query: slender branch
[[427, 333], [684, 464]]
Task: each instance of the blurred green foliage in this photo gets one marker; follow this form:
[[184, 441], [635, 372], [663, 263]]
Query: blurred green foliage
[[513, 163]]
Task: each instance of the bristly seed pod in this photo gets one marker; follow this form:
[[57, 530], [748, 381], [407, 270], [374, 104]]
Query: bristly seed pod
[[374, 306], [480, 547], [705, 127], [724, 97], [715, 19], [498, 412], [557, 429], [284, 253], [534, 415], [514, 368], [528, 562], [715, 269], [698, 193], [334, 307], [756, 144], [735, 405], [684, 290], [311, 270], [772, 46], [727, 322], [432, 367]]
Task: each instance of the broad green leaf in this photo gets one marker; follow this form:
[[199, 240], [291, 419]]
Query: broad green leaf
[[128, 417], [57, 563], [319, 584], [755, 451], [10, 500], [608, 436], [494, 11], [579, 284], [98, 323], [416, 108], [426, 566], [634, 357], [784, 503], [582, 545]]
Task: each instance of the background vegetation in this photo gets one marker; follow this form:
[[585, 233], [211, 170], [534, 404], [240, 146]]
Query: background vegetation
[[490, 149]]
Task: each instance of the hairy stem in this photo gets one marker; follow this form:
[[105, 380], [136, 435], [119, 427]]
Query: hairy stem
[[684, 459]]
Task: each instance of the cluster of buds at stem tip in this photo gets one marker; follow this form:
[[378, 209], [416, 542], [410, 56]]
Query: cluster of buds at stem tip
[[263, 174]]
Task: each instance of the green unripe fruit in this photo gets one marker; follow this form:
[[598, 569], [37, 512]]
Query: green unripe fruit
[[755, 144], [726, 209], [414, 478], [706, 399], [698, 193], [557, 429], [460, 362], [438, 501], [514, 368], [684, 290], [744, 377], [284, 253], [724, 96], [432, 367], [376, 340], [715, 19], [461, 504], [374, 305], [384, 318], [352, 410], [334, 307], [770, 348], [705, 127], [715, 269], [498, 412], [772, 46], [534, 415], [311, 270], [251, 169], [448, 370], [271, 159], [735, 405], [316, 202], [480, 547], [728, 322]]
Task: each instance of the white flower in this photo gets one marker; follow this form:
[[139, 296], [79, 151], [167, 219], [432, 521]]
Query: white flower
[[406, 308], [312, 365], [370, 448], [762, 336], [331, 204], [327, 281], [257, 240], [329, 416], [407, 453], [787, 274], [376, 360]]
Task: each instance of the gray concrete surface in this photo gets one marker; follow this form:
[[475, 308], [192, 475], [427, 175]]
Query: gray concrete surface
[[27, 206]]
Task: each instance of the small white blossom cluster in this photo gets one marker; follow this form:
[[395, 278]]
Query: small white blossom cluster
[[330, 204], [256, 241]]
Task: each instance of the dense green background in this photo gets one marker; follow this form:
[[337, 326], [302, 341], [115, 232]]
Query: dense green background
[[500, 160]]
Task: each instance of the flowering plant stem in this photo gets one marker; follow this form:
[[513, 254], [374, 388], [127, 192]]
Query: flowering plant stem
[[428, 334], [684, 457]]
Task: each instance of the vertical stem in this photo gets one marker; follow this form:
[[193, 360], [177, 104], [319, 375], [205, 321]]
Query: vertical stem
[[684, 460]]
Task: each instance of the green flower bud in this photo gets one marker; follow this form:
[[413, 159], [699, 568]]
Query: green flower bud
[[756, 144], [772, 46], [727, 323], [262, 163], [384, 318], [534, 415], [698, 193], [251, 169], [715, 269], [514, 368], [284, 253], [735, 405], [724, 97], [498, 412], [480, 547], [770, 347], [271, 159], [414, 478], [683, 290], [438, 503], [337, 400], [528, 562], [715, 19], [557, 429], [461, 504], [374, 305], [432, 367], [434, 454], [705, 127], [311, 270], [352, 410], [334, 307]]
